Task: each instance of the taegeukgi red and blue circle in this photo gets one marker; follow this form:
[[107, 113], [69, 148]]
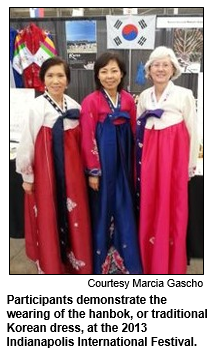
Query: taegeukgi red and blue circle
[[129, 32]]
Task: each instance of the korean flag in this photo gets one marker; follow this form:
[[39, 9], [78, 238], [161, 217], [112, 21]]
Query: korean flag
[[131, 32]]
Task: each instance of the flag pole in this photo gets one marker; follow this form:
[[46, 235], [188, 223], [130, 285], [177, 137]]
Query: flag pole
[[130, 69], [130, 60]]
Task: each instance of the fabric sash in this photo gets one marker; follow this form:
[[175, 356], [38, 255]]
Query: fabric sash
[[119, 114], [59, 167], [141, 122]]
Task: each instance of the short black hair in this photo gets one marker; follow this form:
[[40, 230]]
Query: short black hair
[[53, 61], [102, 61]]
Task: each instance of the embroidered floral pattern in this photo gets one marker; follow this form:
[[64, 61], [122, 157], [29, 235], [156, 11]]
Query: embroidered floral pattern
[[94, 151], [70, 204], [151, 240], [76, 264], [113, 264]]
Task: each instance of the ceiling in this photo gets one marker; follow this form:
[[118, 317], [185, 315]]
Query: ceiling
[[23, 12]]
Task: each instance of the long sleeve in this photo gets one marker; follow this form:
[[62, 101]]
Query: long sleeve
[[25, 152], [88, 122], [190, 117]]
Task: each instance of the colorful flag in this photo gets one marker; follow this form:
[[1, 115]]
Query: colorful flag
[[131, 32], [36, 11]]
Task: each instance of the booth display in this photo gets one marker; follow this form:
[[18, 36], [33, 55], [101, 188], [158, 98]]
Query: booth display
[[32, 47], [52, 39]]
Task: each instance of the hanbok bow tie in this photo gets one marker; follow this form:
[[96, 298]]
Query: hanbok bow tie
[[70, 114], [151, 113]]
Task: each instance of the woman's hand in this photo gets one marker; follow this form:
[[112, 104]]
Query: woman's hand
[[28, 187], [94, 183]]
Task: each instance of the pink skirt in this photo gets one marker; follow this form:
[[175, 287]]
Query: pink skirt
[[164, 200]]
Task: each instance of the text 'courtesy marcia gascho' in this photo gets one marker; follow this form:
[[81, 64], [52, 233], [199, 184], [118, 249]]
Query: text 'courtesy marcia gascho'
[[97, 320]]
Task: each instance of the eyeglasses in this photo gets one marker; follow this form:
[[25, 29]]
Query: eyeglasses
[[164, 65]]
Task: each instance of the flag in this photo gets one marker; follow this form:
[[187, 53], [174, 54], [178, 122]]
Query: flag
[[130, 11], [140, 75], [131, 32], [36, 11]]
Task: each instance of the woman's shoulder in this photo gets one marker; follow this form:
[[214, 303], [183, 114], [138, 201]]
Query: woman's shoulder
[[35, 107], [145, 92], [91, 97], [37, 103], [127, 95], [39, 99]]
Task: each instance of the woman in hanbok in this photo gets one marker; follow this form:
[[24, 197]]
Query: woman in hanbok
[[167, 151], [57, 223], [108, 122]]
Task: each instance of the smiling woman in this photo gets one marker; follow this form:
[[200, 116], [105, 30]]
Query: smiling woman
[[108, 121], [168, 141], [56, 82], [57, 223]]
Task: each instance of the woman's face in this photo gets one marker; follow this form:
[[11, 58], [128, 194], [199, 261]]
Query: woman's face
[[55, 80], [110, 76], [161, 70]]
